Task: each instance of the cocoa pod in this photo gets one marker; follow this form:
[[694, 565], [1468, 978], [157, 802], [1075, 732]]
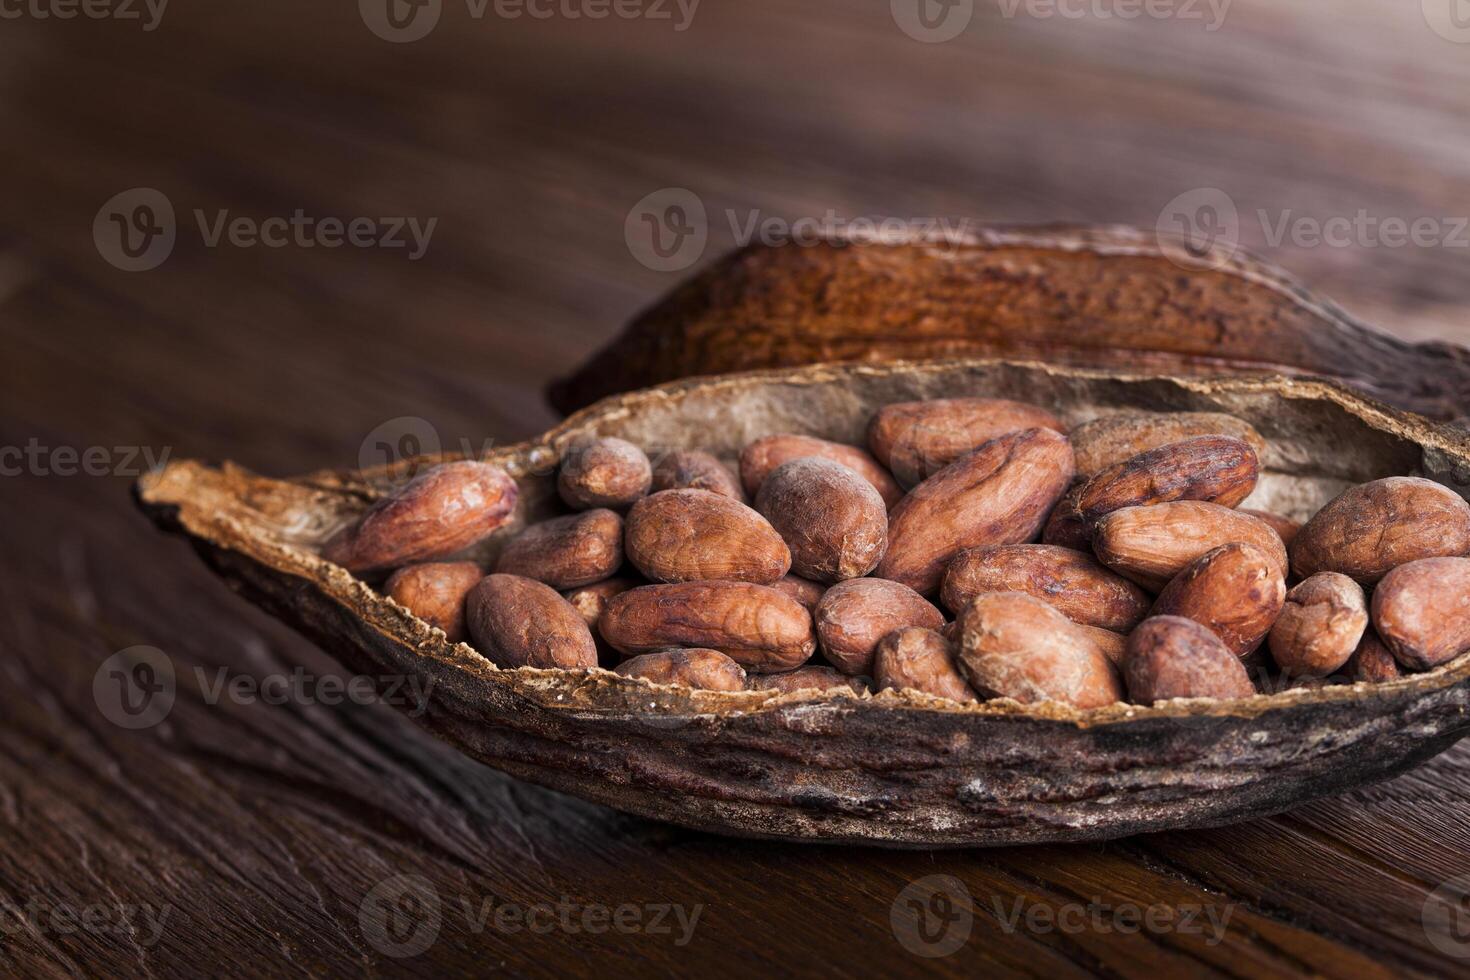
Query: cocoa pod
[[709, 670], [1110, 440], [807, 679], [764, 455], [761, 629], [606, 472], [1065, 527], [804, 591], [434, 592], [1150, 545], [1173, 657], [999, 494], [1217, 469], [687, 535], [1372, 661], [1284, 527], [590, 600], [832, 520], [915, 440], [1015, 646], [438, 513], [1074, 583], [1235, 591], [1371, 528], [919, 659], [695, 469], [565, 552], [1422, 611], [854, 615], [1320, 626], [519, 622]]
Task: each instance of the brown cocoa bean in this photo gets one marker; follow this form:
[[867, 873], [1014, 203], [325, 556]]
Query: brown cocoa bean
[[764, 455], [435, 591], [438, 513], [1150, 545], [688, 535], [1065, 527], [565, 552], [695, 469], [1284, 527], [854, 615], [590, 600], [804, 591], [1173, 657], [519, 622], [919, 659], [709, 670], [1217, 469], [760, 628], [807, 679], [1422, 611], [1320, 626], [1013, 645], [1074, 583], [1370, 529], [834, 522], [1110, 440], [605, 472], [1113, 645], [999, 494], [1235, 591], [1372, 661], [915, 440]]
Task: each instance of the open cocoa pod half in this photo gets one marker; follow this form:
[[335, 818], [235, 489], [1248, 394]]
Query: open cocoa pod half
[[898, 768], [1108, 297]]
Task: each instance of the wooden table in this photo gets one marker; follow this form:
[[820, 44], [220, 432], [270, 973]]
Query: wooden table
[[244, 837]]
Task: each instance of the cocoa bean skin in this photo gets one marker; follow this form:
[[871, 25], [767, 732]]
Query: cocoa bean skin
[[1113, 645], [1217, 469], [590, 600], [435, 591], [999, 494], [708, 670], [438, 513], [1284, 527], [519, 622], [1320, 626], [832, 520], [605, 472], [1074, 583], [764, 455], [760, 628], [1372, 661], [1422, 611], [1150, 545], [915, 440], [1065, 527], [1110, 440], [1015, 646], [804, 591], [1236, 591], [1173, 657], [689, 535], [1370, 529], [806, 679], [566, 552], [918, 659], [854, 615], [695, 469]]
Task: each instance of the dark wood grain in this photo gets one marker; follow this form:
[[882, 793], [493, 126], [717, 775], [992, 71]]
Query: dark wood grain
[[263, 827]]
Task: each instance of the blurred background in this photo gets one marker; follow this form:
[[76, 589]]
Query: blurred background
[[174, 175]]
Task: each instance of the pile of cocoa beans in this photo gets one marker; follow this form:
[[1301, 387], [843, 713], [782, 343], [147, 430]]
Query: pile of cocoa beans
[[1108, 563]]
